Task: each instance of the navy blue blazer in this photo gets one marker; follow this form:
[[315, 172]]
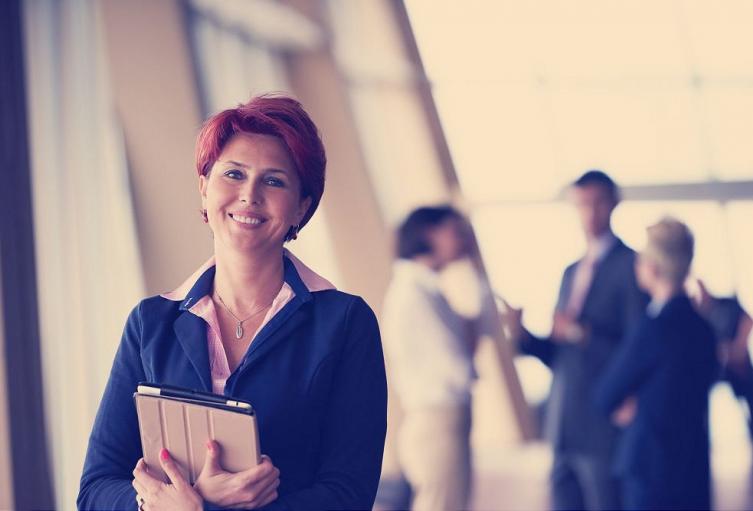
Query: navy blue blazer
[[613, 305], [314, 374], [669, 364]]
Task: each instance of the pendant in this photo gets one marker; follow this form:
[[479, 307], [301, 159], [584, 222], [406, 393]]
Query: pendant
[[239, 331]]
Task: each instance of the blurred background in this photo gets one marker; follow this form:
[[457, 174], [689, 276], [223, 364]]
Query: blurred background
[[492, 105]]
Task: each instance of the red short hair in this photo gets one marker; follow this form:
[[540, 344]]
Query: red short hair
[[276, 115]]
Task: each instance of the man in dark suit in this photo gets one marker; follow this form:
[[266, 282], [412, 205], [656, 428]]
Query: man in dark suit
[[599, 301], [666, 369]]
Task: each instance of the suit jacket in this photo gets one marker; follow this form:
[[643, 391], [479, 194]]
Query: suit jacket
[[613, 305], [314, 374], [669, 363]]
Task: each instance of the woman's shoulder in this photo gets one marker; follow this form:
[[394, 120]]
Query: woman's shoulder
[[333, 304], [335, 299], [154, 308]]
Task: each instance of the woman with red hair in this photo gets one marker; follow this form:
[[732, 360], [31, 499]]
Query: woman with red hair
[[254, 323]]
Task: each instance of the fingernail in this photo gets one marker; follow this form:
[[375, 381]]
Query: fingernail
[[163, 454], [209, 445]]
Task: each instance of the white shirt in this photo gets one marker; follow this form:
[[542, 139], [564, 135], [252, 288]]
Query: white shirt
[[427, 345], [596, 251], [599, 247]]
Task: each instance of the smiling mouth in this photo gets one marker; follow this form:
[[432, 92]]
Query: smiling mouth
[[248, 220]]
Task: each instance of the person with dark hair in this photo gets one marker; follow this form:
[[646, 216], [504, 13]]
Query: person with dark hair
[[254, 323], [664, 372], [599, 301], [599, 178], [429, 349]]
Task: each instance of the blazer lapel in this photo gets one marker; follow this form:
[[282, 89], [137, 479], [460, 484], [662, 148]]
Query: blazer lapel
[[600, 276], [191, 332], [286, 321], [276, 331]]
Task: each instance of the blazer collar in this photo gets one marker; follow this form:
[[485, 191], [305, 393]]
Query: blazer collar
[[678, 301], [302, 279], [599, 248], [600, 272], [191, 330]]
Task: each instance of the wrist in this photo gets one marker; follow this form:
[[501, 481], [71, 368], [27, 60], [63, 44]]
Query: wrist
[[205, 504]]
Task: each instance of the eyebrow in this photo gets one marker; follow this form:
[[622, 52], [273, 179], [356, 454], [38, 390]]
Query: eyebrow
[[243, 165], [235, 163]]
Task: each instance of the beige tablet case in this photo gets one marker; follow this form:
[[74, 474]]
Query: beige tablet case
[[183, 429]]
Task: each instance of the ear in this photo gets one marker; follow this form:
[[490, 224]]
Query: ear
[[203, 180], [303, 206]]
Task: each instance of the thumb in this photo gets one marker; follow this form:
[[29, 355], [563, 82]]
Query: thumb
[[212, 459], [171, 469]]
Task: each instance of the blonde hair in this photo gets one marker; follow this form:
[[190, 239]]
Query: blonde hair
[[670, 246]]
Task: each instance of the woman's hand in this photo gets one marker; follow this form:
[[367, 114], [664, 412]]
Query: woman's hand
[[154, 495], [249, 489]]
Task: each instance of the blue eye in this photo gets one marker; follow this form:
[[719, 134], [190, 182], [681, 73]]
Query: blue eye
[[273, 181], [234, 174]]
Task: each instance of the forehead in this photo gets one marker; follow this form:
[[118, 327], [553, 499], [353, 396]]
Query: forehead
[[448, 225], [257, 151], [590, 192]]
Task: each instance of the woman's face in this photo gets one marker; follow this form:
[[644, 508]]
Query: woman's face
[[252, 193], [449, 241], [645, 272]]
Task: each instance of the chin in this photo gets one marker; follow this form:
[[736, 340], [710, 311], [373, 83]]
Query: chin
[[247, 243]]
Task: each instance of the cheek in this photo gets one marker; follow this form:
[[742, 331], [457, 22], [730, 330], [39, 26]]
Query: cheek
[[586, 213], [216, 191], [643, 273], [286, 206]]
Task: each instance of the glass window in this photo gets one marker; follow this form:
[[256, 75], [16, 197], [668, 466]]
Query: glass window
[[652, 91], [392, 124], [706, 219], [526, 248]]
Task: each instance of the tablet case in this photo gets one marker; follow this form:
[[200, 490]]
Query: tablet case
[[183, 426]]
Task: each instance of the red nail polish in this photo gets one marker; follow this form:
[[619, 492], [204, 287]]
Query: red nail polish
[[163, 454]]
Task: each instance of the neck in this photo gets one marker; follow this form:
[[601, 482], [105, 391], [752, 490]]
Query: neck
[[664, 291], [247, 280], [592, 238], [428, 261]]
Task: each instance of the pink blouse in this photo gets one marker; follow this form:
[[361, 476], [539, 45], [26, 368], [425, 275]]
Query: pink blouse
[[204, 308]]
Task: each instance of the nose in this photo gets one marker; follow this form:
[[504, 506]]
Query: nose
[[251, 192]]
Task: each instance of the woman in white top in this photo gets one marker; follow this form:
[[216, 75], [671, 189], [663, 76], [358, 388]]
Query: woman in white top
[[429, 349]]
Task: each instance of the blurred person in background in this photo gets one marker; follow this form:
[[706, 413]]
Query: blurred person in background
[[732, 327], [658, 385], [429, 349], [254, 323], [599, 302]]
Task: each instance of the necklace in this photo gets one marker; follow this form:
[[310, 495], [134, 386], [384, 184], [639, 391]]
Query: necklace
[[239, 327]]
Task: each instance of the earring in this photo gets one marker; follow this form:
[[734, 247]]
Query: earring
[[204, 216], [292, 233]]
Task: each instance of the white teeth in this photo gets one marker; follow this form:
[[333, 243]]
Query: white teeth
[[246, 220]]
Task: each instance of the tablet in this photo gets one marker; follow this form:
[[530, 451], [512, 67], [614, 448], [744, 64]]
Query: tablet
[[182, 420]]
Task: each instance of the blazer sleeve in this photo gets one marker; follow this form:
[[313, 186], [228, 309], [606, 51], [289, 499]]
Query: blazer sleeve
[[114, 443], [540, 347], [544, 348], [633, 363], [355, 423]]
